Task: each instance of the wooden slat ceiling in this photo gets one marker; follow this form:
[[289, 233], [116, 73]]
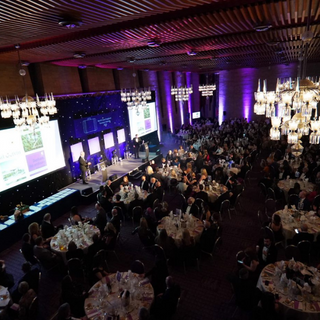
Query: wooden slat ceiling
[[221, 32]]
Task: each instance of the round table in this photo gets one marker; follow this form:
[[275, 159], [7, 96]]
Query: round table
[[4, 301], [290, 305], [128, 194], [286, 185], [81, 234], [194, 225], [103, 301], [289, 223], [215, 190]]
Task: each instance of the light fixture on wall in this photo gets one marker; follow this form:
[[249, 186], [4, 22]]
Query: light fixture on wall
[[136, 99], [296, 102], [181, 93], [28, 112], [207, 90]]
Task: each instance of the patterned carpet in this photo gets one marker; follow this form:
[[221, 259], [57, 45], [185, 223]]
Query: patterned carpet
[[206, 294]]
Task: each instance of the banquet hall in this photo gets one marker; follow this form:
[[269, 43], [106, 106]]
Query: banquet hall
[[165, 151]]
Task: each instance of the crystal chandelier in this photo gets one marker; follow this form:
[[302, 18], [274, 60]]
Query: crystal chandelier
[[28, 113], [136, 98], [207, 90], [181, 93], [296, 102]]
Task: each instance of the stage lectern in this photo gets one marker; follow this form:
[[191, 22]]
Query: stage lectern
[[146, 149]]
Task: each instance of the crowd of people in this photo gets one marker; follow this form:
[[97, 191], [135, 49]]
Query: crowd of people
[[206, 152]]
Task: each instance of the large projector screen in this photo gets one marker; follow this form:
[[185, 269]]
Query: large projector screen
[[26, 155], [143, 121]]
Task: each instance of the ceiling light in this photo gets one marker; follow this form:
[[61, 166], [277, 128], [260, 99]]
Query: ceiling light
[[154, 43], [192, 53], [70, 23], [131, 59], [262, 27], [82, 66], [25, 63], [79, 55], [119, 68]]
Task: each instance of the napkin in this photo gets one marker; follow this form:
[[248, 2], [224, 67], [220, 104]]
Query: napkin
[[94, 313]]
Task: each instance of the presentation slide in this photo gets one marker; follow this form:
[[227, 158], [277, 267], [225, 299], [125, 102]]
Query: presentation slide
[[196, 115], [121, 136], [108, 140], [94, 145], [26, 155], [143, 121], [76, 149]]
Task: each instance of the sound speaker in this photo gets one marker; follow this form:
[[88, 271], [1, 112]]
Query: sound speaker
[[87, 191], [113, 177]]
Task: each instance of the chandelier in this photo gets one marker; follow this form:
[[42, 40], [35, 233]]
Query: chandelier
[[181, 93], [207, 90], [135, 98], [27, 113], [291, 107]]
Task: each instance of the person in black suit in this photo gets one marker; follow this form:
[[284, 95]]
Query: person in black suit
[[101, 218], [152, 185], [108, 188], [27, 249], [191, 207], [115, 220], [159, 191], [136, 146], [301, 236], [47, 228], [202, 194], [267, 251], [144, 185], [304, 203], [135, 203], [207, 237], [84, 164], [45, 256], [157, 174]]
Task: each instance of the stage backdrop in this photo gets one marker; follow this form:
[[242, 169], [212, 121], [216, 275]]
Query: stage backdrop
[[79, 119]]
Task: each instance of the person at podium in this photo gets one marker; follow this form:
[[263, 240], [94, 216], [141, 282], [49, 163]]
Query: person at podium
[[136, 146], [84, 165]]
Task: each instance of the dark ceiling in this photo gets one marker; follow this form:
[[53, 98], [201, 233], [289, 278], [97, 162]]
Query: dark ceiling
[[111, 33]]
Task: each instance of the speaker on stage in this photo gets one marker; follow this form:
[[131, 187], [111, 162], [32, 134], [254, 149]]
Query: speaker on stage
[[113, 177], [87, 191]]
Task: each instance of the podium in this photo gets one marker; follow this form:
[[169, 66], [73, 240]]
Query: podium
[[146, 149]]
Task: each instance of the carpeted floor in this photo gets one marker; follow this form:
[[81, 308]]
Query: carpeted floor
[[206, 294]]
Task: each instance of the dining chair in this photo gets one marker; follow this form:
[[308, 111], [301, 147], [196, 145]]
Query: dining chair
[[292, 251], [270, 207], [224, 209], [136, 215], [293, 200], [304, 247]]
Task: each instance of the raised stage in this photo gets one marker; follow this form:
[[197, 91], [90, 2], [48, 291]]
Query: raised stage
[[119, 170]]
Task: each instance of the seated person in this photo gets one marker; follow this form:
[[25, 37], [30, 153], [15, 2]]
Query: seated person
[[166, 303], [75, 217], [246, 293], [167, 244], [100, 220], [301, 236], [47, 228], [267, 251], [125, 181], [6, 279], [74, 294], [110, 236], [202, 194], [207, 238], [119, 203], [251, 263], [145, 234], [74, 251], [27, 296], [47, 258], [34, 231], [303, 203], [27, 249], [115, 220], [276, 227], [192, 208], [97, 245]]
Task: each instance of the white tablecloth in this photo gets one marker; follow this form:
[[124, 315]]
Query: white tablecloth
[[128, 194], [289, 223], [102, 301], [295, 306], [80, 234], [194, 225]]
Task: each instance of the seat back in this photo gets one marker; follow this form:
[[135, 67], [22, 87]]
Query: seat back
[[225, 207], [137, 267], [293, 200], [304, 247], [136, 213], [200, 203], [33, 309], [292, 252], [270, 207], [155, 203], [260, 218], [263, 189], [217, 244], [100, 259], [268, 232], [75, 268], [271, 194], [120, 212]]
